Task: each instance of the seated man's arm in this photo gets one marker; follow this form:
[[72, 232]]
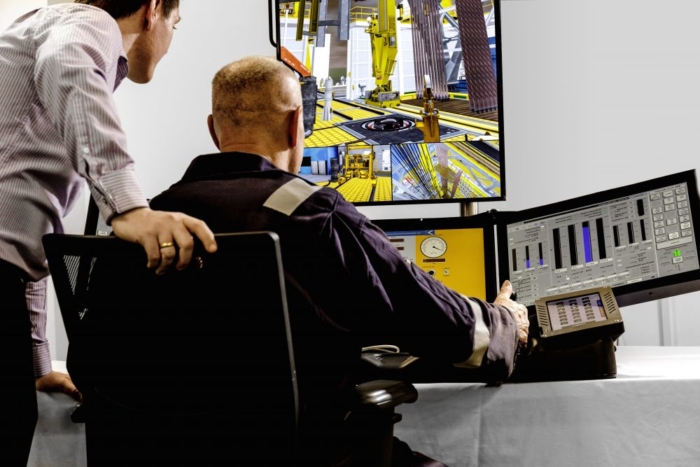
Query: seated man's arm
[[420, 314]]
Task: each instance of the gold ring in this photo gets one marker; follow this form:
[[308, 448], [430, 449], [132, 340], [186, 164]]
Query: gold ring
[[166, 245]]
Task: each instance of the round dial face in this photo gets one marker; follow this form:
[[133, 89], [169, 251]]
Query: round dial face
[[433, 247]]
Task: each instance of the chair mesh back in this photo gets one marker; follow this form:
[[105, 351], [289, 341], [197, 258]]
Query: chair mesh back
[[210, 341]]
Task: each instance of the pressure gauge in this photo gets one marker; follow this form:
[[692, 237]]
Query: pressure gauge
[[433, 247]]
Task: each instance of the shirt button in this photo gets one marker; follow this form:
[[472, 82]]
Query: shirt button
[[86, 150]]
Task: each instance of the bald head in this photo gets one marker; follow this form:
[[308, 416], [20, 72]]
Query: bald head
[[257, 108], [254, 93]]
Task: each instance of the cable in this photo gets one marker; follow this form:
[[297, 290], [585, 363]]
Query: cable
[[382, 348]]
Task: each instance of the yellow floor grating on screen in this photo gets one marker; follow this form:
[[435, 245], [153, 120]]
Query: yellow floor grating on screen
[[329, 137], [383, 189], [356, 190]]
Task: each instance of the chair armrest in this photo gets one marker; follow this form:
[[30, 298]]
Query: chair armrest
[[78, 414], [385, 394], [374, 419]]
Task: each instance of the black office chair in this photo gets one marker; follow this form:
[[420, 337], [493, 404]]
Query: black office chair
[[195, 365]]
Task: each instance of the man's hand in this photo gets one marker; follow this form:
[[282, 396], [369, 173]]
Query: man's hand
[[519, 310], [164, 235], [58, 382]]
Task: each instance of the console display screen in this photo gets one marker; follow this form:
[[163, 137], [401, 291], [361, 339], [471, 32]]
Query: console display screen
[[624, 237], [455, 251], [455, 257], [574, 311]]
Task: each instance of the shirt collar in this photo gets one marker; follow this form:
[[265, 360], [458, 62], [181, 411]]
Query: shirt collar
[[230, 163], [122, 70]]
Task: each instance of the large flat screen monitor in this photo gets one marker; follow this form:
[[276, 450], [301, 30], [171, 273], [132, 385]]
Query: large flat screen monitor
[[406, 97], [641, 240], [456, 251]]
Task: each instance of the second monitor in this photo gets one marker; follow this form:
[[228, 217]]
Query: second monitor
[[640, 239]]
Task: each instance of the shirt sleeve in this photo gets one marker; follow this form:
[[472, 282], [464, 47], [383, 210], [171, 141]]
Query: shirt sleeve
[[77, 60], [399, 301], [35, 293]]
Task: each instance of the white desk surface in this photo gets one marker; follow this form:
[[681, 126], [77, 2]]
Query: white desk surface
[[649, 415]]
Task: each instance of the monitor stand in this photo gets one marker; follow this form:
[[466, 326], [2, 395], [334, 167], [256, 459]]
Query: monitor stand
[[468, 208], [587, 360]]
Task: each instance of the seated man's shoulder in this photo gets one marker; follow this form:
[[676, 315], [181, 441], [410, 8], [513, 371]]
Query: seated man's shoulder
[[313, 195], [331, 200]]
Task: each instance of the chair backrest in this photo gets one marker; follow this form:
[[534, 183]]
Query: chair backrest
[[210, 340]]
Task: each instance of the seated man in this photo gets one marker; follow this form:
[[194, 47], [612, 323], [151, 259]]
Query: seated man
[[347, 285]]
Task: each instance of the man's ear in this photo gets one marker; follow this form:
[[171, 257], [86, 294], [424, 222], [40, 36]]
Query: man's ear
[[212, 132], [293, 127], [150, 13]]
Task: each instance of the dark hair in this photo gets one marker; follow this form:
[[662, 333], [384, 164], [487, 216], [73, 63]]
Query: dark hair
[[123, 8]]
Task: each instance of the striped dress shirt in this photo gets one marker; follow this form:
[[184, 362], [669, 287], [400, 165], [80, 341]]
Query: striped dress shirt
[[59, 125], [35, 295]]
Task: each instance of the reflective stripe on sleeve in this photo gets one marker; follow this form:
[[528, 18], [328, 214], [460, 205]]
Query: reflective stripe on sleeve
[[289, 196], [482, 338]]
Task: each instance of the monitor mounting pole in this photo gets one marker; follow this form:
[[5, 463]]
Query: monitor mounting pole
[[468, 208]]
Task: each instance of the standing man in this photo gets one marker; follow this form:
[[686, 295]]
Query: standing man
[[59, 126], [347, 285]]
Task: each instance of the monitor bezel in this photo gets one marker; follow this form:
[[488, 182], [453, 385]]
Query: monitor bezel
[[630, 294], [483, 221]]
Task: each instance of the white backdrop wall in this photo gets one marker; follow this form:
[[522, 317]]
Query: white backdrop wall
[[13, 9], [165, 120], [598, 94]]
